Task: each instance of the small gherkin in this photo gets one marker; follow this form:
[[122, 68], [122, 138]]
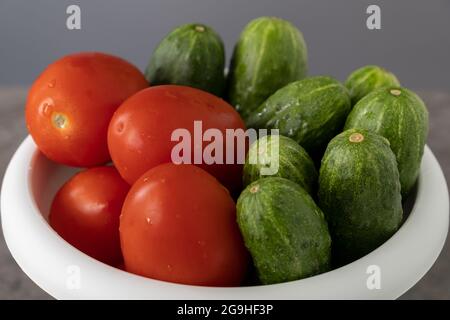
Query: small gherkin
[[399, 115], [190, 55], [285, 157], [284, 230], [359, 192], [270, 53], [366, 79]]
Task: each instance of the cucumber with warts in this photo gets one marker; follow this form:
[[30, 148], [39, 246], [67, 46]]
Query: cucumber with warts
[[269, 54], [367, 79], [310, 111], [285, 156], [399, 115], [284, 230], [191, 55], [359, 192]]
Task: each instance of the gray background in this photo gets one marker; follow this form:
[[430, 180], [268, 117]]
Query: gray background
[[414, 43]]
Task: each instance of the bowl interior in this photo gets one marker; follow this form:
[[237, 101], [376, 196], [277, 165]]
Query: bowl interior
[[45, 179]]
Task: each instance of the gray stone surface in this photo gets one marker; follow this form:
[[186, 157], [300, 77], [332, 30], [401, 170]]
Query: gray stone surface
[[14, 284]]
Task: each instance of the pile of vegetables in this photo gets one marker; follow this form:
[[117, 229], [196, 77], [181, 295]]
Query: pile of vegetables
[[347, 155]]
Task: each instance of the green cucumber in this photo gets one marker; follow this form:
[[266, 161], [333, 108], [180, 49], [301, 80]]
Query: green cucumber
[[270, 53], [284, 230], [191, 55], [359, 192], [399, 115], [367, 79], [283, 154], [310, 111]]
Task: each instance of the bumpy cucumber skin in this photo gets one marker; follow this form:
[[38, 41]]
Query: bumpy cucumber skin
[[359, 192], [191, 55], [403, 120], [367, 79], [294, 163], [310, 111], [269, 54], [284, 230]]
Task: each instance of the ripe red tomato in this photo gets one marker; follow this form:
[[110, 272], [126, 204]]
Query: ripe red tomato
[[71, 103], [178, 224], [85, 212], [139, 135]]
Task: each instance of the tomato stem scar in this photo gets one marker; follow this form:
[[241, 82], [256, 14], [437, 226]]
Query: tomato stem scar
[[59, 120]]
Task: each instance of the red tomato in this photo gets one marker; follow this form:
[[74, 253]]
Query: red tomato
[[86, 210], [178, 224], [71, 103], [139, 135]]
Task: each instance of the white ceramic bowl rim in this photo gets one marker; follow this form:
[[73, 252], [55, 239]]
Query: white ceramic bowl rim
[[66, 273]]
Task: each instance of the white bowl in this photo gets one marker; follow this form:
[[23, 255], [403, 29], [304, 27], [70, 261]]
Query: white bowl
[[66, 273]]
